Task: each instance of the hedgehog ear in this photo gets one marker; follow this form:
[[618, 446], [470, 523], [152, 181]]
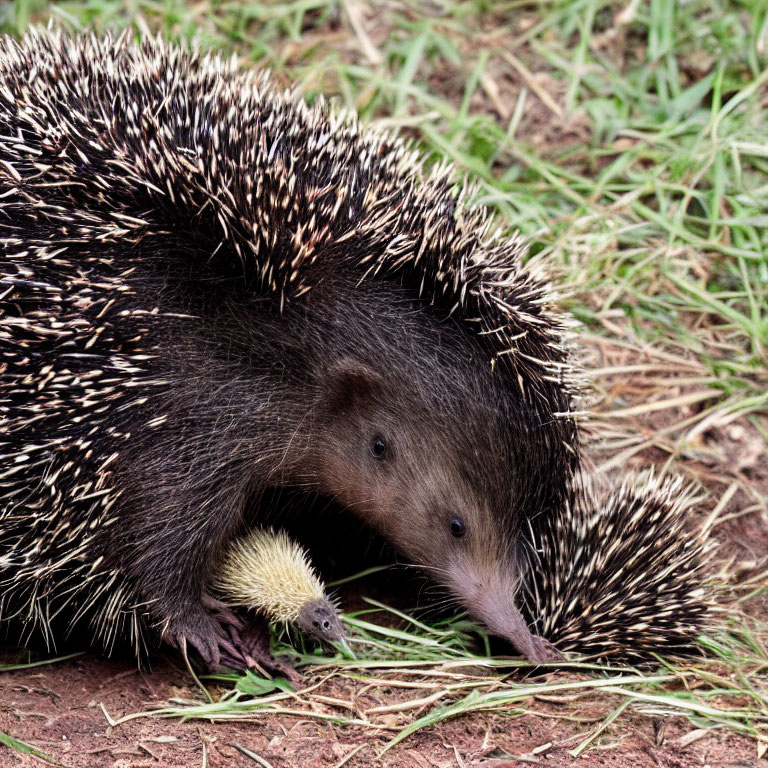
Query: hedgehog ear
[[349, 383]]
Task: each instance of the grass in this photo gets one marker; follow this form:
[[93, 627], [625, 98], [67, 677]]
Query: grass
[[627, 140], [20, 746]]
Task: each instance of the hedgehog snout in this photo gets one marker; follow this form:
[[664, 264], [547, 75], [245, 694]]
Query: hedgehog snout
[[320, 619], [502, 617], [488, 592]]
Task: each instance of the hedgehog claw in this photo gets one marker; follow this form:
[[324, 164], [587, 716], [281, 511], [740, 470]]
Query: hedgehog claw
[[251, 651], [200, 632], [224, 640], [222, 613]]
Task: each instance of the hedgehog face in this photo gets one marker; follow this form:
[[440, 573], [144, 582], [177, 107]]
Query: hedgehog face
[[413, 430], [319, 619], [423, 479]]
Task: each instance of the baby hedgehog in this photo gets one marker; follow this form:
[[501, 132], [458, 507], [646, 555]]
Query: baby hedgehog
[[267, 571], [616, 574], [212, 292]]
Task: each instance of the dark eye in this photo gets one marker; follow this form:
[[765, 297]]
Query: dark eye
[[458, 529], [378, 447]]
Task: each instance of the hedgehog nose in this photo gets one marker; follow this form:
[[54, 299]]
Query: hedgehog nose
[[321, 622]]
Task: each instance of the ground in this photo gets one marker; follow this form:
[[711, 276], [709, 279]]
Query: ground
[[626, 140], [66, 710]]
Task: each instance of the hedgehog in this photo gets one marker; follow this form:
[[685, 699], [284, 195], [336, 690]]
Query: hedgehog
[[211, 290], [615, 575], [267, 571]]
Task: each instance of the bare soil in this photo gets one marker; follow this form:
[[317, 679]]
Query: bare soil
[[65, 711]]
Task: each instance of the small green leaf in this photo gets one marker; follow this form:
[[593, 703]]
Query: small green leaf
[[254, 685]]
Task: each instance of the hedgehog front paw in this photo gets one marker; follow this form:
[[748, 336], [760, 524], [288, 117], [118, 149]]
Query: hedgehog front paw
[[214, 637], [221, 612], [247, 641], [225, 641]]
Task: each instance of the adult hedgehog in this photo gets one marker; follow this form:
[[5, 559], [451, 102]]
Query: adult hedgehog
[[210, 290]]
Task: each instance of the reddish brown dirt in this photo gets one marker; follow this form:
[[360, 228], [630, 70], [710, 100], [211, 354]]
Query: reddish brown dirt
[[62, 710]]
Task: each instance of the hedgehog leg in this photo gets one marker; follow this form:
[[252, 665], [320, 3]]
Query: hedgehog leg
[[222, 612], [169, 537], [245, 642], [223, 640]]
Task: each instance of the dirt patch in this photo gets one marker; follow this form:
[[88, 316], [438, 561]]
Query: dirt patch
[[64, 711]]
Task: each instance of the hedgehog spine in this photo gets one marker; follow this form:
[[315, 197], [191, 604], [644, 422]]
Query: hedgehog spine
[[267, 571], [616, 574]]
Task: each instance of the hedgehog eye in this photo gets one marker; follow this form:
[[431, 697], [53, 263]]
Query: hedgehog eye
[[458, 529], [378, 447]]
